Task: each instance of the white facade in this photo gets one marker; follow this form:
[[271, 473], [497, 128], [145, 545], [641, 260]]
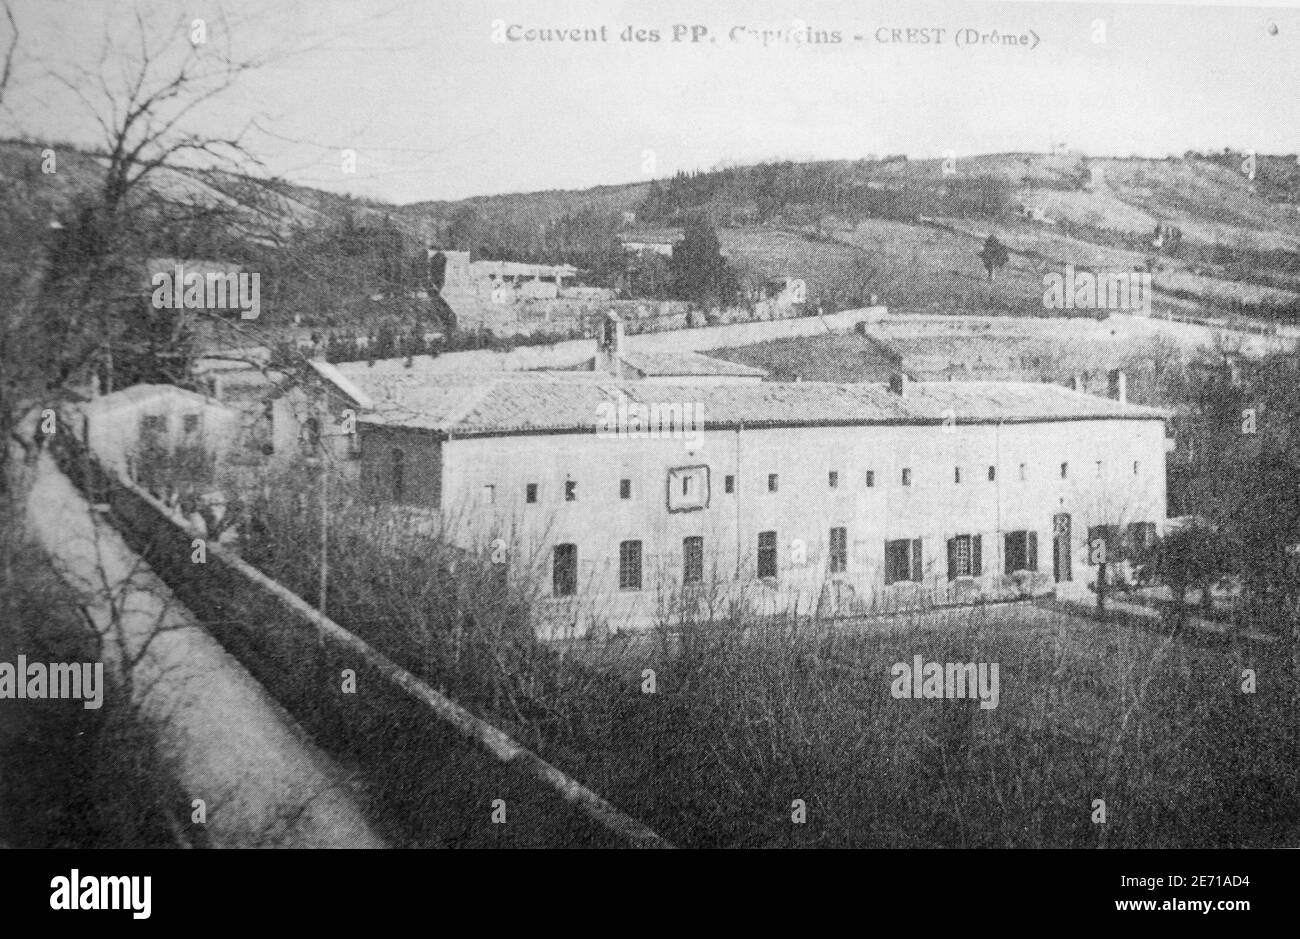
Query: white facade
[[124, 428], [598, 493]]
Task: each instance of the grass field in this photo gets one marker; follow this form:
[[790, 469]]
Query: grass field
[[747, 716]]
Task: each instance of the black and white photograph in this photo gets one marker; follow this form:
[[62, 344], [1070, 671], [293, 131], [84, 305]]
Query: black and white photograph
[[743, 424]]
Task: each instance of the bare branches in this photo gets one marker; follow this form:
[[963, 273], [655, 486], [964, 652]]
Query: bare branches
[[146, 94], [10, 54]]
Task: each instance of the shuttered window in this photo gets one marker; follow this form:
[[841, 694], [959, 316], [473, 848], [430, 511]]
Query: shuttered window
[[839, 553], [767, 554], [964, 556], [564, 570], [629, 565], [692, 560], [903, 560]]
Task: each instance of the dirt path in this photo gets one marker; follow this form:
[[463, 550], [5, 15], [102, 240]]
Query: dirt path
[[263, 782]]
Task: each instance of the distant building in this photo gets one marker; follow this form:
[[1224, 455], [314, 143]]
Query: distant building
[[287, 415], [502, 281], [651, 240], [1035, 213], [128, 429]]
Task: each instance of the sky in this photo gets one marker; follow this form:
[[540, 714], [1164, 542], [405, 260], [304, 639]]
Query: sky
[[444, 99]]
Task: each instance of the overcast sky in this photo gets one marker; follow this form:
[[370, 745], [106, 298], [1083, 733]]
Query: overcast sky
[[436, 109]]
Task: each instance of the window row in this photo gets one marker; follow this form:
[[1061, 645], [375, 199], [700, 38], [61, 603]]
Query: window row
[[903, 559], [564, 565], [157, 423], [690, 484]]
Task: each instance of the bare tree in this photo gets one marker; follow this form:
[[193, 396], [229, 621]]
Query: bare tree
[[77, 283], [10, 53]]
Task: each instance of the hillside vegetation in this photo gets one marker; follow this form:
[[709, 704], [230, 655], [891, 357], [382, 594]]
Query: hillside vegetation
[[906, 232]]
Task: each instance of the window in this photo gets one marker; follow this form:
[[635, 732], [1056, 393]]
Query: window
[[398, 463], [834, 479], [1135, 467], [993, 473], [1022, 472], [1020, 551], [489, 495], [871, 478], [1141, 537], [839, 556], [153, 424], [629, 565], [692, 560], [964, 557], [191, 423], [1065, 470], [625, 488], [772, 482], [956, 475], [1099, 468], [903, 560], [564, 570], [530, 493], [1107, 538], [729, 484], [688, 488], [907, 477], [310, 438], [767, 554], [570, 491]]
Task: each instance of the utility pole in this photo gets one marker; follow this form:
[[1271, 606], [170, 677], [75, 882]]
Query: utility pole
[[324, 526]]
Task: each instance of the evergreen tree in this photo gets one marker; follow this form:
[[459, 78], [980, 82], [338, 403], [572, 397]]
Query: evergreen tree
[[994, 255], [700, 274]]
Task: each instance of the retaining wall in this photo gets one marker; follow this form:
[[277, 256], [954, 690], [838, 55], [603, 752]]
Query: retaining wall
[[433, 769]]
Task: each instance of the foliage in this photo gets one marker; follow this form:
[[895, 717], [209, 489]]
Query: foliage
[[994, 255], [700, 274], [750, 713]]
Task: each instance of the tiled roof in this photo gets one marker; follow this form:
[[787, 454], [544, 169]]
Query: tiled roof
[[344, 384], [669, 364], [553, 403], [139, 394]]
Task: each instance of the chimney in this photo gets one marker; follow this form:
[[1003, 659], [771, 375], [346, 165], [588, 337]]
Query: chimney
[[609, 347], [1119, 386], [898, 383], [1076, 382]]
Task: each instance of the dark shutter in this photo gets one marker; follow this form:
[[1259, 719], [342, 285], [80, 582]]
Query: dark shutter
[[952, 558], [975, 566], [1031, 551], [916, 559]]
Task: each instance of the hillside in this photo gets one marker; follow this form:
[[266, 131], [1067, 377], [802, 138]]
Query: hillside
[[906, 232], [903, 231]]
